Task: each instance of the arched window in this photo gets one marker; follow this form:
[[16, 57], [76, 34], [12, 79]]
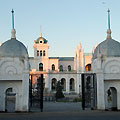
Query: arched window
[[69, 68], [40, 67], [40, 52], [53, 84], [37, 52], [61, 68], [53, 67], [44, 53], [63, 84], [88, 67], [72, 85]]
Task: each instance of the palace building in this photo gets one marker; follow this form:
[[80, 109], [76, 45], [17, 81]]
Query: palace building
[[95, 75], [103, 62], [65, 69]]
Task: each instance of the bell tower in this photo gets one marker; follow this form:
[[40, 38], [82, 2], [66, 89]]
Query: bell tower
[[41, 53], [41, 47]]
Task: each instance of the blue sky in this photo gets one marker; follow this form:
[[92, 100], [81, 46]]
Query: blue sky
[[65, 23]]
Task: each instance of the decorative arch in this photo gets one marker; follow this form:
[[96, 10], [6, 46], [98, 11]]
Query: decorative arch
[[11, 70], [112, 66], [10, 67]]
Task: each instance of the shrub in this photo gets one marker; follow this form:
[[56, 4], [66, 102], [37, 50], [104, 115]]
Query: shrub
[[77, 99]]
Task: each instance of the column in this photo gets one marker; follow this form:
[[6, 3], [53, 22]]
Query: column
[[100, 91], [67, 85], [25, 92]]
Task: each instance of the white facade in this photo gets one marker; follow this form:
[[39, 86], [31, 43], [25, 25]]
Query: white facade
[[108, 76], [14, 76], [66, 69], [106, 65], [15, 66]]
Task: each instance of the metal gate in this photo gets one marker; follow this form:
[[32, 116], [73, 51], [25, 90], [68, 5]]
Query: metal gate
[[36, 94], [89, 90]]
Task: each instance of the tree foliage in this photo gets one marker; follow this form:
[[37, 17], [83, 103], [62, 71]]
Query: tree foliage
[[59, 93]]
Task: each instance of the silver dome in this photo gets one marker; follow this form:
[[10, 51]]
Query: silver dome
[[108, 48], [13, 48]]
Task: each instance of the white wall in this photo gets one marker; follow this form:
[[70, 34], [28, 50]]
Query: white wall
[[65, 65], [14, 72], [108, 75]]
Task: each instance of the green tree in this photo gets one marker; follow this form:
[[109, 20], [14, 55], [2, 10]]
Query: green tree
[[59, 93]]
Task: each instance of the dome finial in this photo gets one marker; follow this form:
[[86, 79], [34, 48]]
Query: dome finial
[[40, 31], [108, 30], [13, 32], [12, 18], [108, 18]]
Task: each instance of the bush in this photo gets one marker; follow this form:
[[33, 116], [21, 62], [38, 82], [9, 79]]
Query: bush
[[77, 99]]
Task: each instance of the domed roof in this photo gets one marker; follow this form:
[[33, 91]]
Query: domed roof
[[13, 48], [108, 48], [41, 38]]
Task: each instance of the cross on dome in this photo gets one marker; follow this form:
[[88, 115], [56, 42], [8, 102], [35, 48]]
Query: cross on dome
[[13, 32]]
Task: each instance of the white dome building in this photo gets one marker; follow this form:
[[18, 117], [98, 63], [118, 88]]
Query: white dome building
[[14, 75], [13, 48], [106, 65]]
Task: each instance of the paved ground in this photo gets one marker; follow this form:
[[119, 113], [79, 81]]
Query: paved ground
[[62, 111], [83, 115], [60, 107]]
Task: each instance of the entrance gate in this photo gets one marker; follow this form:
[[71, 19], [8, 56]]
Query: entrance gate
[[89, 90], [36, 94]]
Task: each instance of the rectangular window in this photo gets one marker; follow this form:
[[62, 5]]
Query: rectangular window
[[37, 52], [44, 53], [40, 52]]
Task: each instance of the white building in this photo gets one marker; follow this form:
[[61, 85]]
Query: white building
[[14, 75], [15, 63], [106, 65], [66, 69]]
